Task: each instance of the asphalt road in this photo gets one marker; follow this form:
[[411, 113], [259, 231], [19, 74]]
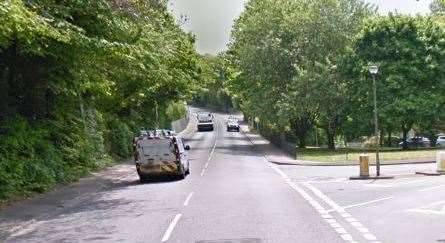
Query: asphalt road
[[235, 195]]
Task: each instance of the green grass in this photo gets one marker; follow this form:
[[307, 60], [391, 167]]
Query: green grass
[[352, 155]]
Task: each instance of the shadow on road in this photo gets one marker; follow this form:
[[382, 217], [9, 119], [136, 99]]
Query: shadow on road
[[79, 210]]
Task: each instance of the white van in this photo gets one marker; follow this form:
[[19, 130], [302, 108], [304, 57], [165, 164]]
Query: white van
[[160, 153]]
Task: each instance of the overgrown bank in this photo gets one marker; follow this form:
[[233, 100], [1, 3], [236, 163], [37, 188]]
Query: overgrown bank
[[77, 78]]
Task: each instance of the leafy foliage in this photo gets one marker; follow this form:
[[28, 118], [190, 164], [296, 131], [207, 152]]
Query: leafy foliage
[[303, 66], [289, 56], [77, 77]]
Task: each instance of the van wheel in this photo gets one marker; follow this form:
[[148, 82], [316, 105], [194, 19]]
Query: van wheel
[[143, 179], [187, 172]]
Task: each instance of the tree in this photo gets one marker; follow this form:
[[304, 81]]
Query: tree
[[409, 51], [288, 54], [78, 77], [437, 7]]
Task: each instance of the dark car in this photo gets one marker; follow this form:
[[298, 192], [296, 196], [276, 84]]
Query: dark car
[[415, 142]]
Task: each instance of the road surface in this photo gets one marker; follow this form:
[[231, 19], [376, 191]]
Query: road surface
[[234, 195]]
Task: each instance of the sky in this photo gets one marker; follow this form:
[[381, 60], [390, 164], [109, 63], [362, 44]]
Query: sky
[[211, 20]]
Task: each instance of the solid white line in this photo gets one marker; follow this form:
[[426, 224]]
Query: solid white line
[[341, 210], [431, 188], [325, 198], [366, 203], [321, 210], [187, 200], [170, 228]]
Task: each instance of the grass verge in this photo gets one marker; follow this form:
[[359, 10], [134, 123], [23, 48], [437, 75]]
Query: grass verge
[[388, 155]]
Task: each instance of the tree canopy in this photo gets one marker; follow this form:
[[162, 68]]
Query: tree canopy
[[77, 77]]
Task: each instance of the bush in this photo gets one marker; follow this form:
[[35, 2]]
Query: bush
[[120, 138], [33, 158]]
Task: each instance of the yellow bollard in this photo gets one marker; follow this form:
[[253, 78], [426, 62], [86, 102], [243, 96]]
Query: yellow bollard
[[364, 165], [440, 162]]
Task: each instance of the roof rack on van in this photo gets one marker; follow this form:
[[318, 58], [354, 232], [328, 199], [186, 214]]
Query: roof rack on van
[[157, 133]]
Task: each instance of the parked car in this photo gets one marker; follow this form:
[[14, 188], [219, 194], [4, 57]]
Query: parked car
[[160, 152], [415, 142], [440, 141], [205, 121], [232, 124]]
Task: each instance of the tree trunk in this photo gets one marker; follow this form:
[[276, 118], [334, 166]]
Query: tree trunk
[[389, 139], [301, 127], [405, 137], [302, 141], [382, 137], [331, 139]]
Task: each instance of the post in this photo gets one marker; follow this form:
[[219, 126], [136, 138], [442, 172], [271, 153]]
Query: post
[[157, 115], [364, 166], [376, 125]]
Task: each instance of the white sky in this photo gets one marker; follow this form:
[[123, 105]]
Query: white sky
[[211, 20]]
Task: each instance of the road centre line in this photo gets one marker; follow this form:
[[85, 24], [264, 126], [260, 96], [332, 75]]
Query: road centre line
[[187, 200], [203, 171], [348, 217], [320, 209], [171, 227]]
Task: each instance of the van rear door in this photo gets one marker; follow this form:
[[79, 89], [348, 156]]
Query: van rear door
[[157, 151]]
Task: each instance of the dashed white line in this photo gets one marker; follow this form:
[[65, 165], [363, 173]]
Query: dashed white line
[[170, 228], [203, 171], [187, 200]]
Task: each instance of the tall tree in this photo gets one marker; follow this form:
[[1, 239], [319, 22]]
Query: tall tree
[[288, 54], [409, 51]]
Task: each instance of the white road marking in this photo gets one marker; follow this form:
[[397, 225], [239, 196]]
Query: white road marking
[[213, 150], [320, 209], [341, 210], [187, 200], [170, 228], [216, 141], [437, 208], [366, 203], [431, 188]]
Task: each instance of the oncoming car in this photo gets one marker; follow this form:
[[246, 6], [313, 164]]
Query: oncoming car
[[205, 121], [232, 124], [160, 152]]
